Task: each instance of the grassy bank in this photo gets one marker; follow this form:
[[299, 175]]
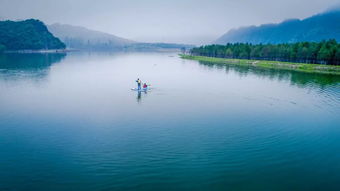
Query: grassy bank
[[311, 68]]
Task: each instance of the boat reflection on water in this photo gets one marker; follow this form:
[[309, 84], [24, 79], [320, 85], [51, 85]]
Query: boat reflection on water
[[139, 95]]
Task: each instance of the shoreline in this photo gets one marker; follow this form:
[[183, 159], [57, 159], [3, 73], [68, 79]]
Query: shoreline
[[301, 67]]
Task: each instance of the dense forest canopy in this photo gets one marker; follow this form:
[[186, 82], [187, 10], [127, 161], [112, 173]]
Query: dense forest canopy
[[325, 52], [27, 35]]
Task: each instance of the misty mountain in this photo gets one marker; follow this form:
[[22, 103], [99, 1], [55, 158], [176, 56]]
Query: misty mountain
[[316, 28], [77, 37], [29, 34]]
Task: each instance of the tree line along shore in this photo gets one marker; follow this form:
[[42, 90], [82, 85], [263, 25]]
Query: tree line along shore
[[302, 67], [315, 57], [324, 52]]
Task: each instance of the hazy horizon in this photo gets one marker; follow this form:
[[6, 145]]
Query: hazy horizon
[[187, 21]]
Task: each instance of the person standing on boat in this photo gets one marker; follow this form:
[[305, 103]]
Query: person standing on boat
[[139, 83]]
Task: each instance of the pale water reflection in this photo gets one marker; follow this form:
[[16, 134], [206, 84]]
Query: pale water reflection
[[33, 66]]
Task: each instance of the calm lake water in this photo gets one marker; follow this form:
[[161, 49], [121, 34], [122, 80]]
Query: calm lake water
[[71, 122]]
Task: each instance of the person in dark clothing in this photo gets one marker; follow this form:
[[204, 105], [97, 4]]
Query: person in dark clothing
[[139, 83]]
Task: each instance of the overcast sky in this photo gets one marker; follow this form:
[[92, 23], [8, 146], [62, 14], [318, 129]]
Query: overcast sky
[[179, 21]]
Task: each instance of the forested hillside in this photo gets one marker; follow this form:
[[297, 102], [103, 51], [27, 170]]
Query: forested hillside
[[27, 35], [325, 52], [313, 29]]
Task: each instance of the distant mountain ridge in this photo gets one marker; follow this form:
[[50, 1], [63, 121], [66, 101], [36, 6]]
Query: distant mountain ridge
[[316, 28], [82, 38], [29, 34]]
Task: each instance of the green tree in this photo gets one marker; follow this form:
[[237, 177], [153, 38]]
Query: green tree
[[337, 55], [29, 34], [325, 52], [229, 53]]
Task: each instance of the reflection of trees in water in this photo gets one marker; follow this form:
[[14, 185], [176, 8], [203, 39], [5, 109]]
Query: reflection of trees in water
[[295, 78], [13, 66]]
